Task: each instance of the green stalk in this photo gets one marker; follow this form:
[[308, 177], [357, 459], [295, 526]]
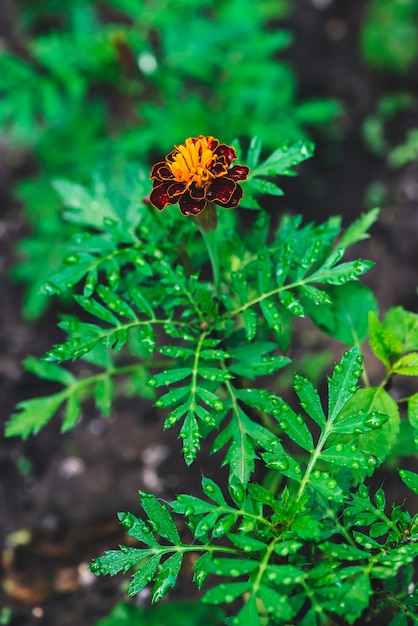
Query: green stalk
[[207, 222]]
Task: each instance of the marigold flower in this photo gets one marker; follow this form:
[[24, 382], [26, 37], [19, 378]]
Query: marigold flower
[[195, 173]]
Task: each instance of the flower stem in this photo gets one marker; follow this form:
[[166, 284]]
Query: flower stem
[[212, 246], [207, 222]]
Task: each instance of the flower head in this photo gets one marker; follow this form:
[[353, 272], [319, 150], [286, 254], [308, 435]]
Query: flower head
[[195, 173]]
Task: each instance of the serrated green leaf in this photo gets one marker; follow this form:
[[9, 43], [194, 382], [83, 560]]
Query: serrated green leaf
[[406, 365], [342, 273], [98, 310], [233, 567], [191, 435], [33, 415], [410, 479], [144, 575], [383, 342], [104, 393], [309, 399], [168, 377], [72, 412], [213, 491], [161, 520], [115, 303], [346, 317], [49, 371], [281, 160], [138, 529], [342, 384], [357, 231], [292, 424], [379, 440], [115, 561], [343, 551], [254, 151], [226, 592], [265, 187], [275, 603], [413, 410], [404, 324], [167, 576], [246, 543], [345, 456]]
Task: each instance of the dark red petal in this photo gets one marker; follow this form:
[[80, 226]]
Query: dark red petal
[[159, 196], [234, 199], [238, 172], [213, 144], [160, 170], [197, 193], [175, 189], [226, 151], [221, 189], [220, 167], [190, 206]]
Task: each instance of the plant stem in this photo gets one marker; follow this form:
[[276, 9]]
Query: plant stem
[[212, 246]]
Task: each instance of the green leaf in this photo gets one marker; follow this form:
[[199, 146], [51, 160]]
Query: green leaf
[[358, 230], [413, 410], [161, 520], [384, 343], [281, 160], [309, 399], [233, 567], [49, 371], [406, 365], [33, 415], [167, 577], [347, 317], [275, 603], [144, 575], [246, 543], [184, 613], [410, 479], [379, 440], [342, 273], [404, 324], [342, 385], [226, 592]]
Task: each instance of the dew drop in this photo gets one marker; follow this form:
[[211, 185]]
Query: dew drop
[[338, 368], [71, 259], [331, 484], [375, 420], [284, 425], [218, 405], [281, 463]]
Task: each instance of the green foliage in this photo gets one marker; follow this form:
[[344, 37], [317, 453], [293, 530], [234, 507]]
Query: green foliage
[[184, 613], [310, 544], [98, 84], [389, 36]]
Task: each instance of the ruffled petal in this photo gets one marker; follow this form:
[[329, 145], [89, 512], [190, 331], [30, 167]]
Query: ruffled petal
[[190, 206], [221, 190], [197, 193], [159, 196], [227, 152], [161, 171], [234, 200], [238, 172], [175, 189]]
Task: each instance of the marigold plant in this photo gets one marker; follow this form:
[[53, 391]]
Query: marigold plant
[[310, 538]]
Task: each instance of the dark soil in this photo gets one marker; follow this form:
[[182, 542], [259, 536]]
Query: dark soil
[[60, 493]]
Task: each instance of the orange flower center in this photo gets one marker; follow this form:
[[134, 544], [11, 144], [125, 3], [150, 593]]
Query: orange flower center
[[192, 162]]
